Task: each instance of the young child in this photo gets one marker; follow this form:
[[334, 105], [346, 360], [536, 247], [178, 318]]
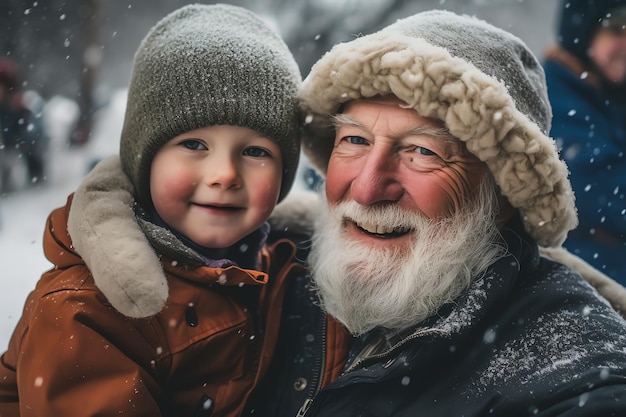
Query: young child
[[210, 144]]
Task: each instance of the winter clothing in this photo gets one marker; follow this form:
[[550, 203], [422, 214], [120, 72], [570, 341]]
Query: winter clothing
[[451, 68], [209, 65], [309, 349], [611, 290], [590, 124], [72, 354], [181, 330], [511, 343], [528, 338], [213, 65]]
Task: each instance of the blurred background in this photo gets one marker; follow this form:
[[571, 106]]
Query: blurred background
[[69, 64], [83, 49]]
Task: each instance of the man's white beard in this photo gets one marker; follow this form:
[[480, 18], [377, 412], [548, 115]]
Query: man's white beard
[[398, 287]]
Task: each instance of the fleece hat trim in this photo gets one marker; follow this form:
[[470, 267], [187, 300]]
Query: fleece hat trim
[[482, 82], [205, 65]]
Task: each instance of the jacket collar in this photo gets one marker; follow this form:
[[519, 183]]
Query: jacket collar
[[167, 241]]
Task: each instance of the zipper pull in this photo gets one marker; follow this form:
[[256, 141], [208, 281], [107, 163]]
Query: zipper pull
[[305, 407]]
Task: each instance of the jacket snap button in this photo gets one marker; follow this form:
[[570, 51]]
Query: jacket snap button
[[191, 317], [300, 384], [205, 409]]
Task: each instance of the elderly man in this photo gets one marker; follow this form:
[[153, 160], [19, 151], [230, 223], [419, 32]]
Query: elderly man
[[441, 186]]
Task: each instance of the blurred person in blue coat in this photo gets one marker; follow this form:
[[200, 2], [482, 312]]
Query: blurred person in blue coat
[[586, 74]]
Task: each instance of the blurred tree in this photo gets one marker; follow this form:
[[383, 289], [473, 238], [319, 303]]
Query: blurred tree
[[8, 25], [91, 48]]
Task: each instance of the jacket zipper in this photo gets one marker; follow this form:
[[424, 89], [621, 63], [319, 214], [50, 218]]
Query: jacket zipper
[[305, 407], [318, 376], [309, 401], [402, 342]]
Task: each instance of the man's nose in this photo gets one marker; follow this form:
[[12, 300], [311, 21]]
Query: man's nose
[[378, 180]]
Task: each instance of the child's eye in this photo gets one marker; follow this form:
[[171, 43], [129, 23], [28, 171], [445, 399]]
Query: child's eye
[[193, 144], [256, 152]]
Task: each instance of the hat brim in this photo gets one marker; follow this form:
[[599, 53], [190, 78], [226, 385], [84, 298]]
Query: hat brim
[[475, 107]]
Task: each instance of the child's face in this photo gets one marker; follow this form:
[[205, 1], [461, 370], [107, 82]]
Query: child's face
[[217, 184]]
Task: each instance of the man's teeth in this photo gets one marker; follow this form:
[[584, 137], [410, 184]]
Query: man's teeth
[[381, 230]]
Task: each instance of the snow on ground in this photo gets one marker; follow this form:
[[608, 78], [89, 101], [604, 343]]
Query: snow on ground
[[22, 219], [23, 213]]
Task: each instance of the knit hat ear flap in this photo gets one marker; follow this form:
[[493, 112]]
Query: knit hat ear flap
[[206, 65], [482, 82]]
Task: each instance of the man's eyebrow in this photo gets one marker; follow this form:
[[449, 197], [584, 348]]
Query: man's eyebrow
[[341, 119], [436, 132]]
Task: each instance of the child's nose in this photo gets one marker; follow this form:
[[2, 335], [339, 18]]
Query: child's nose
[[223, 172]]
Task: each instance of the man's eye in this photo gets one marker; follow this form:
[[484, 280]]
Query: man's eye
[[256, 152], [355, 140], [424, 151], [193, 144]]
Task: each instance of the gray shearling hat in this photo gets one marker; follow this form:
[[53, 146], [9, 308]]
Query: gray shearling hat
[[482, 82], [205, 65]]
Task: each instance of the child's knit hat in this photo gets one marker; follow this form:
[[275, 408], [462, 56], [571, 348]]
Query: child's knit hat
[[482, 82], [206, 65]]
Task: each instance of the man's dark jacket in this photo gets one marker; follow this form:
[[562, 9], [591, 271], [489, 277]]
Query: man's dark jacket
[[528, 338]]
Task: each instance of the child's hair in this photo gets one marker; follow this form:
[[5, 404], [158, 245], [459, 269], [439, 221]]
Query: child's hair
[[205, 65]]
